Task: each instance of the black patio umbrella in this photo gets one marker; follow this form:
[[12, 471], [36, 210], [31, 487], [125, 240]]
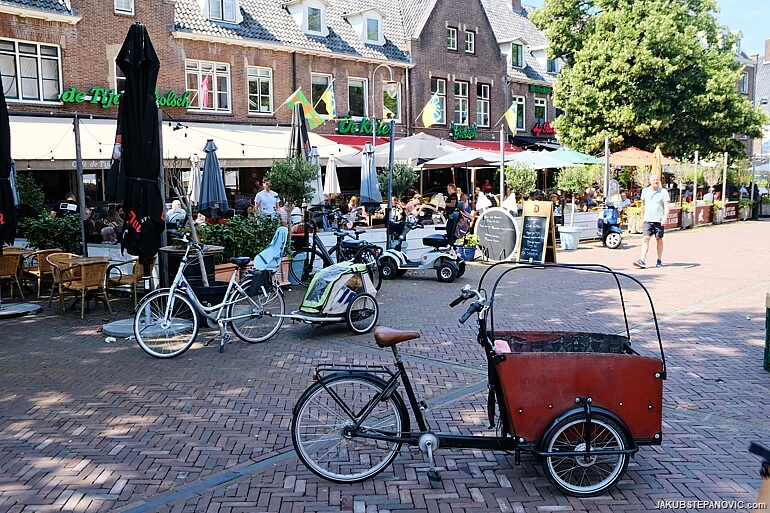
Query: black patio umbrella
[[116, 178], [7, 205], [140, 160], [299, 146], [213, 197]]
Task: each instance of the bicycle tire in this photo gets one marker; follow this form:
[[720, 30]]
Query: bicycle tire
[[165, 338], [263, 319], [330, 406], [362, 314], [308, 266], [373, 268]]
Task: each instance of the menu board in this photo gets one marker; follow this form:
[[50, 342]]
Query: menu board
[[533, 235], [537, 239], [496, 230]]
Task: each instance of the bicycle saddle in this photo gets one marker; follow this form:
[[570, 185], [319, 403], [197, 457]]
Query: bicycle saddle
[[386, 337], [240, 261]]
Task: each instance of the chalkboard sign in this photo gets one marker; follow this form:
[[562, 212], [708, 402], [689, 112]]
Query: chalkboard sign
[[496, 230], [533, 238], [537, 238]]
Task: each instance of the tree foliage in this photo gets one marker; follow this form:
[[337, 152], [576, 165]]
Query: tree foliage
[[291, 178], [521, 178], [646, 73], [404, 177]]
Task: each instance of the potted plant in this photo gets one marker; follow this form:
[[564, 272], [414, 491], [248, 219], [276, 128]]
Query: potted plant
[[634, 217], [765, 205], [46, 232], [744, 209], [522, 180], [467, 246], [575, 180], [719, 211], [688, 215], [404, 176]]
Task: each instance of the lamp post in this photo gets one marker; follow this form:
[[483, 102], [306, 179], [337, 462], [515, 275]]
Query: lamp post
[[391, 87]]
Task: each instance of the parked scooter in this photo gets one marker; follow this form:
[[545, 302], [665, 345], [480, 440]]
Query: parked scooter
[[442, 256], [608, 226]]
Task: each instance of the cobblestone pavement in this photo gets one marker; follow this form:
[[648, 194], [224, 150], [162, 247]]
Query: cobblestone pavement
[[91, 426]]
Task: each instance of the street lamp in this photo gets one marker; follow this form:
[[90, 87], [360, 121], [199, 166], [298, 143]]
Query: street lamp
[[390, 86]]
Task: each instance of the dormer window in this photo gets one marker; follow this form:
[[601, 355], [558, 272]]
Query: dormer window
[[309, 15], [551, 66], [368, 25], [222, 10], [517, 55]]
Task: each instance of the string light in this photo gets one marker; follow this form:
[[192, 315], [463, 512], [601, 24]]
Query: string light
[[28, 166]]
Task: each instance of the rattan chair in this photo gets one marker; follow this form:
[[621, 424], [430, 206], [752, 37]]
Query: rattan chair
[[91, 278], [123, 278], [57, 269], [37, 267], [9, 271]]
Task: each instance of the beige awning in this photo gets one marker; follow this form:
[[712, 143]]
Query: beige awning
[[49, 143]]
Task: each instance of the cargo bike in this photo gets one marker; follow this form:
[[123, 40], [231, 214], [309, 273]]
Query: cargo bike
[[581, 401]]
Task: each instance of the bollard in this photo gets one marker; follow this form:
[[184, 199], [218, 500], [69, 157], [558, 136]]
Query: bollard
[[767, 333]]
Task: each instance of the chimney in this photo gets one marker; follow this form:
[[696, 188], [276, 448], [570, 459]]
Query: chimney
[[516, 6]]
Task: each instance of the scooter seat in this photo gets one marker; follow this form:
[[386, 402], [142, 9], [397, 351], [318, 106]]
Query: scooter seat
[[435, 241]]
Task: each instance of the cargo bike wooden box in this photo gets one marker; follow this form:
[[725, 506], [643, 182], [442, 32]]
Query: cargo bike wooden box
[[582, 402]]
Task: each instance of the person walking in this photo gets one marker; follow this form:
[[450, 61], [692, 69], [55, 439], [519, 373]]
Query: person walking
[[655, 207], [266, 200]]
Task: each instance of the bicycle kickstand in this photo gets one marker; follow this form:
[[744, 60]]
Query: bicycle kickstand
[[429, 442], [224, 336]]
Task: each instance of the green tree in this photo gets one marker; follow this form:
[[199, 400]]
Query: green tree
[[291, 178], [575, 180], [30, 192], [404, 177], [522, 179], [46, 232], [646, 73]]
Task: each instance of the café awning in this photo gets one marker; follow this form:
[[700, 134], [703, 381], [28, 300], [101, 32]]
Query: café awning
[[49, 143]]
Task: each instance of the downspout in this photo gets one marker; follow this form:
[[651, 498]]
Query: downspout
[[293, 71], [408, 103]]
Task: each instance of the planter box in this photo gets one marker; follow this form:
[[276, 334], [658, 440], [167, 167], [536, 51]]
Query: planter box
[[171, 258], [635, 224], [569, 237], [730, 211], [222, 272], [687, 220]]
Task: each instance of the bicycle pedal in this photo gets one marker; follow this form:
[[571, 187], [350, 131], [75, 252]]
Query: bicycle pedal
[[435, 478], [422, 405]]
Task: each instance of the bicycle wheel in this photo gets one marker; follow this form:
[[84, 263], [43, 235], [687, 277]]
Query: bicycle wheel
[[372, 266], [576, 476], [362, 314], [321, 428], [161, 335], [256, 318], [305, 264]]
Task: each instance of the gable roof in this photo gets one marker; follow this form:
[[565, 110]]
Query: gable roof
[[415, 14], [52, 6], [268, 22]]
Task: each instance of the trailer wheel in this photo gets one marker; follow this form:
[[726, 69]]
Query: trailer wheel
[[577, 475], [362, 314]]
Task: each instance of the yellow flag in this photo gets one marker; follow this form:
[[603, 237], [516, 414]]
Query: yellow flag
[[387, 113], [432, 114], [510, 116], [328, 99]]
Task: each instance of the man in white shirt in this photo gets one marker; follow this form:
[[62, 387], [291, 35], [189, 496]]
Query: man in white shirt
[[176, 215], [266, 200], [655, 207]]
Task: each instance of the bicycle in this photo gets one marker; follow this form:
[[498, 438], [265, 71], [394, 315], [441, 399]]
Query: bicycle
[[308, 260], [763, 497], [166, 321]]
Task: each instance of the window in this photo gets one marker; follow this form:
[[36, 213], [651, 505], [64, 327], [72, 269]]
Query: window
[[260, 90], [372, 30], [438, 87], [30, 71], [482, 104], [124, 7], [318, 84], [745, 82], [551, 66], [517, 55], [540, 110], [120, 79], [519, 102], [209, 85], [357, 96], [391, 107], [222, 10], [470, 42], [313, 19], [461, 103], [451, 38]]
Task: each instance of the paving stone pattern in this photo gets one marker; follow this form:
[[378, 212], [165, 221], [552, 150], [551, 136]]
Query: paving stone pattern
[[91, 426]]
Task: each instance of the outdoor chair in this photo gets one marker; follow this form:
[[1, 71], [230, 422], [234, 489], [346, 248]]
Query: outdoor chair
[[57, 269], [37, 267], [122, 278], [9, 271], [91, 278]]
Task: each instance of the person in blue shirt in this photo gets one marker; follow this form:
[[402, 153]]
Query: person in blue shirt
[[655, 207]]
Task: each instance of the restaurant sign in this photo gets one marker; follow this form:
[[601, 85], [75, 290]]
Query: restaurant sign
[[544, 128], [107, 97], [364, 126], [533, 88], [463, 132], [731, 211]]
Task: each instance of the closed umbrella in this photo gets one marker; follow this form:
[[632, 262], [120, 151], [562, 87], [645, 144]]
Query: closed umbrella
[[7, 204], [116, 177], [140, 134], [316, 183], [370, 195], [657, 162], [194, 187], [299, 144], [331, 181], [213, 197]]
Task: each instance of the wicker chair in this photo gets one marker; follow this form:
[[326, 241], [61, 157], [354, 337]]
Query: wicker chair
[[58, 269], [92, 277], [132, 280], [37, 267], [9, 271]]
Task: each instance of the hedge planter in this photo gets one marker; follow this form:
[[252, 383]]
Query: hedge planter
[[569, 237]]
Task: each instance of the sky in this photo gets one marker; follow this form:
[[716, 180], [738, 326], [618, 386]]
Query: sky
[[748, 16]]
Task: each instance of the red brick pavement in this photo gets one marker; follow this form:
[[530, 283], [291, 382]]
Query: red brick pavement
[[89, 426]]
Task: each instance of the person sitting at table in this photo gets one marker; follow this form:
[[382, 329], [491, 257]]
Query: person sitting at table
[[109, 236], [176, 215]]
